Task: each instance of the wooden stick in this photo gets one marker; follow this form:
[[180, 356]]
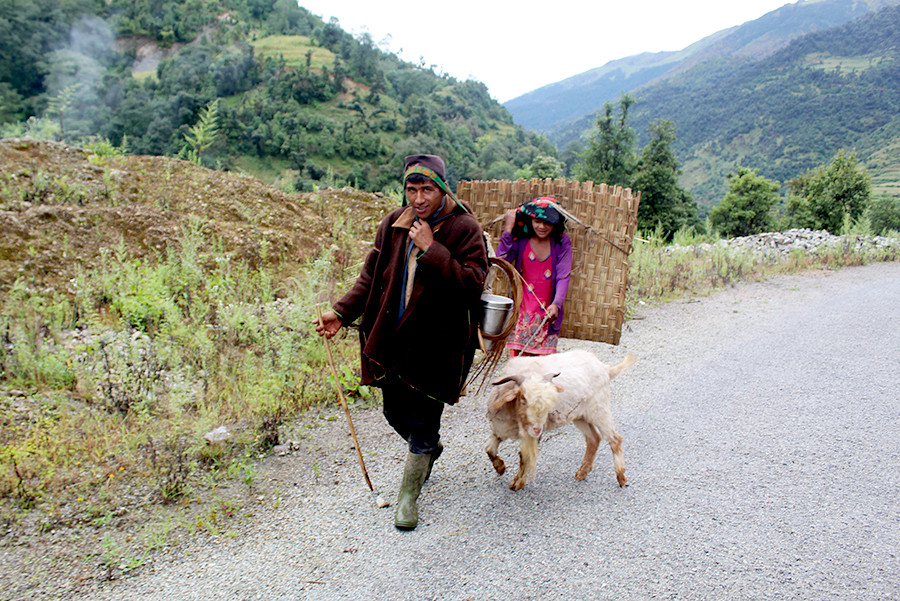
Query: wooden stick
[[340, 392]]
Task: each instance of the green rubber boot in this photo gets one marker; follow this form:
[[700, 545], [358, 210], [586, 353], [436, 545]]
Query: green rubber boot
[[434, 456], [407, 516]]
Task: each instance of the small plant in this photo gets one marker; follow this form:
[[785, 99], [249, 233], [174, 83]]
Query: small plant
[[112, 552], [248, 476], [102, 150], [173, 469], [23, 492], [348, 379], [62, 103], [202, 134]]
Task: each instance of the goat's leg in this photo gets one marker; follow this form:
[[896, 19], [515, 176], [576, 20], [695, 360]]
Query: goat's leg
[[492, 448], [603, 421], [527, 462], [591, 444], [615, 445]]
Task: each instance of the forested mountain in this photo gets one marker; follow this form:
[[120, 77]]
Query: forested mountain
[[782, 114], [827, 91], [554, 108], [262, 86], [550, 109]]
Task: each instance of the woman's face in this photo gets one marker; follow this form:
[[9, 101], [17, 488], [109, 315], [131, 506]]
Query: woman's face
[[541, 228]]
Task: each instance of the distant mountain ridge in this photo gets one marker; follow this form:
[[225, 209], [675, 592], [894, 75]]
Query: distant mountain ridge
[[836, 89], [550, 109]]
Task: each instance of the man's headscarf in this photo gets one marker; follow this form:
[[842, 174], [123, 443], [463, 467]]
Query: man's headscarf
[[432, 167], [429, 165]]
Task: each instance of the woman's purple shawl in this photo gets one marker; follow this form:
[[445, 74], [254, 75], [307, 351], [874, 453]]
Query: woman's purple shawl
[[512, 250]]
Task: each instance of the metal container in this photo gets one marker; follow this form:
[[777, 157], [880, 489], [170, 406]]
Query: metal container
[[496, 310]]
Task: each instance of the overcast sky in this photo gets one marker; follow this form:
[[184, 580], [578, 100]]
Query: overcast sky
[[514, 47]]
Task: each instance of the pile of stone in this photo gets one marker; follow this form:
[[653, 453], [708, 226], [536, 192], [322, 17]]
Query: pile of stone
[[778, 244]]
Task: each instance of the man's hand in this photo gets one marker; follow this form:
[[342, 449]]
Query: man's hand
[[329, 325], [421, 235]]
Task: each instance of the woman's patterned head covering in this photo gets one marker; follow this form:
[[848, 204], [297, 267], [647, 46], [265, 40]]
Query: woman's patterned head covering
[[543, 208]]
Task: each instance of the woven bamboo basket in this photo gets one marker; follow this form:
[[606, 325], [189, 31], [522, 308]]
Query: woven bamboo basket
[[602, 239]]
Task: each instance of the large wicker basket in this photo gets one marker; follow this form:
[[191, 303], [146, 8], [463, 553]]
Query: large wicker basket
[[601, 242]]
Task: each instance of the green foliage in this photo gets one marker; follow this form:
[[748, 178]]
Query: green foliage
[[856, 227], [884, 214], [789, 112], [11, 106], [202, 134], [543, 167], [149, 355], [747, 207], [609, 156], [821, 198], [36, 128], [695, 266], [660, 271], [30, 325], [664, 203], [293, 92]]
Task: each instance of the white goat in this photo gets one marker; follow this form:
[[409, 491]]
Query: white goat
[[535, 394]]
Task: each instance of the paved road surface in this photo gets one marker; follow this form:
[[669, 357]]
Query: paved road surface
[[762, 443]]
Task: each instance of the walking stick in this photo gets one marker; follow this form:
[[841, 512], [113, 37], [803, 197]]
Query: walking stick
[[340, 392]]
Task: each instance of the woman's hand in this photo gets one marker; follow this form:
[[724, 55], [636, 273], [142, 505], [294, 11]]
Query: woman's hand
[[509, 220], [552, 313], [329, 325]]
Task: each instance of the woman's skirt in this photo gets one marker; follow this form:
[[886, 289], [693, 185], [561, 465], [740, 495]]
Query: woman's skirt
[[532, 335]]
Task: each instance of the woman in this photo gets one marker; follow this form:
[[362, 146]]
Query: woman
[[535, 242]]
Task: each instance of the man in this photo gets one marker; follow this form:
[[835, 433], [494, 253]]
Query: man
[[419, 298]]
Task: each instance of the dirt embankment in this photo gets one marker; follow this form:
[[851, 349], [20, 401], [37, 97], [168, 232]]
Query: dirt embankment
[[59, 205]]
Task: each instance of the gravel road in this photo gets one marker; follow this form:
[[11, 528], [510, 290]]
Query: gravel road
[[762, 442]]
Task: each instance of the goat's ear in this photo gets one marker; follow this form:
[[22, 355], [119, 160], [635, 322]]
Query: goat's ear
[[505, 396], [514, 378], [549, 378]]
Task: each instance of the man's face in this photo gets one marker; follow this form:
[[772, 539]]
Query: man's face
[[424, 197]]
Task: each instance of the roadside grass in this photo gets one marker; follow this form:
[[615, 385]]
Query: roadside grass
[[107, 388], [693, 265]]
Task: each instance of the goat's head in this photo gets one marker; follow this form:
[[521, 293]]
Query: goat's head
[[533, 397]]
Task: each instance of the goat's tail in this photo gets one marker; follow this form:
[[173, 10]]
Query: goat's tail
[[627, 362]]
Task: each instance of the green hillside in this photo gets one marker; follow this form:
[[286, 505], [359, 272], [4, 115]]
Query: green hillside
[[784, 114], [552, 108], [297, 102], [788, 113]]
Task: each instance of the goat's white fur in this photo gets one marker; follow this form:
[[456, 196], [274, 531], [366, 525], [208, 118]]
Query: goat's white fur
[[550, 391]]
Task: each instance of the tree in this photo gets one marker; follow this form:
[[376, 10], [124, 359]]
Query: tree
[[61, 104], [11, 105], [823, 197], [664, 204], [202, 134], [609, 156], [542, 167], [747, 207], [569, 156], [884, 214]]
